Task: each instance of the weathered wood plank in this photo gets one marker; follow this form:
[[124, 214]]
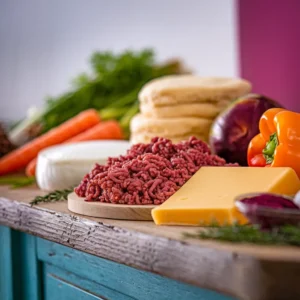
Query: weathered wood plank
[[255, 274], [6, 264], [103, 276], [25, 195], [18, 262], [29, 267], [65, 277], [56, 289]]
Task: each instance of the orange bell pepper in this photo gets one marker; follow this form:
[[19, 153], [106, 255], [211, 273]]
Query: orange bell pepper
[[278, 143]]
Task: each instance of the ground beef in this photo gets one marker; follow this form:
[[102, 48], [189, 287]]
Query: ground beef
[[148, 174]]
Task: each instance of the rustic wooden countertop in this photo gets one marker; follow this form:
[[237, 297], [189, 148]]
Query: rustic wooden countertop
[[241, 270]]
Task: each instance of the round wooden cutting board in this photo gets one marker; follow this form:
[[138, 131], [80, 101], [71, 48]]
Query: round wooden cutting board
[[109, 211]]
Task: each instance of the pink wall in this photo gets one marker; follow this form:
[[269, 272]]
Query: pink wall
[[269, 33]]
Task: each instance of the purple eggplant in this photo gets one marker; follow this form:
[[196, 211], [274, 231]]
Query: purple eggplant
[[234, 128]]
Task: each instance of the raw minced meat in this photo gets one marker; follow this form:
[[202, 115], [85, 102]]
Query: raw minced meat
[[148, 174]]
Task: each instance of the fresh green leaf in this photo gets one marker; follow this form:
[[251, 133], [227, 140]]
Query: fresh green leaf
[[125, 120], [52, 197], [17, 181], [114, 83], [81, 80], [285, 235], [112, 113]]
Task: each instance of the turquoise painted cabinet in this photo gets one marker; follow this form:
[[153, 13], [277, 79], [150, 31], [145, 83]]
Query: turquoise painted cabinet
[[32, 268]]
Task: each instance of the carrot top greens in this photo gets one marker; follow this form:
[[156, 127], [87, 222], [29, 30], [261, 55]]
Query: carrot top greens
[[111, 86]]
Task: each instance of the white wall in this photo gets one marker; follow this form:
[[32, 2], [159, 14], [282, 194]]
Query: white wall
[[45, 43]]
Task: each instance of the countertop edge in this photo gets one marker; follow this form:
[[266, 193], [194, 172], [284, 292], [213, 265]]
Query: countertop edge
[[231, 273]]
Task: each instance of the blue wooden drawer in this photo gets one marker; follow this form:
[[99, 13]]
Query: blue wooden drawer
[[35, 269], [106, 278], [56, 289], [60, 284]]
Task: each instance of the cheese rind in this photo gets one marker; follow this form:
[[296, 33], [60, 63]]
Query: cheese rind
[[209, 195], [63, 166]]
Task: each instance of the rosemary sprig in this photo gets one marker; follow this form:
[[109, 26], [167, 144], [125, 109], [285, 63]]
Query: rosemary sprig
[[55, 196], [17, 181], [285, 235]]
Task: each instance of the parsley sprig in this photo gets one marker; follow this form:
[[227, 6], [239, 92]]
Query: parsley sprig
[[55, 196], [285, 235]]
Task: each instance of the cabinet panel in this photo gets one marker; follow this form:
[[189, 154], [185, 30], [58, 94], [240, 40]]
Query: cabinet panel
[[88, 286], [56, 289], [6, 270], [19, 267], [126, 280], [29, 265]]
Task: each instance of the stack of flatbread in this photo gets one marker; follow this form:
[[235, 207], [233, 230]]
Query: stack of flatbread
[[179, 106]]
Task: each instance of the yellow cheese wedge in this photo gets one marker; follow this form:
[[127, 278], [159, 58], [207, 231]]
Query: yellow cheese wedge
[[209, 195]]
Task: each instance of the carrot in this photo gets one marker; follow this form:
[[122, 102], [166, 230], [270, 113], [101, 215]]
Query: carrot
[[105, 130], [109, 130], [20, 157]]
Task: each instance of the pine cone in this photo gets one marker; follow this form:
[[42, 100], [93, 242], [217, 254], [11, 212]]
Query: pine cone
[[5, 144]]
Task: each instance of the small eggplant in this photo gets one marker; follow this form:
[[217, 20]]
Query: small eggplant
[[269, 210], [235, 127]]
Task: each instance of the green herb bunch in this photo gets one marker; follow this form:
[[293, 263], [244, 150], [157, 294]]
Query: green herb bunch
[[285, 235], [55, 196], [111, 87]]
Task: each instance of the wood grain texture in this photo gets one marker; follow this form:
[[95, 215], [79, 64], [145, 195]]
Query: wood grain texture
[[6, 265], [248, 272], [18, 262], [109, 211], [29, 267], [57, 289], [83, 284], [102, 277]]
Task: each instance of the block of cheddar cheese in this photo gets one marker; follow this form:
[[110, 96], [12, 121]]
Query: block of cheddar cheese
[[208, 196]]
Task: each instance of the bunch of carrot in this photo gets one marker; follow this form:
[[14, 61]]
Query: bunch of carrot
[[85, 126]]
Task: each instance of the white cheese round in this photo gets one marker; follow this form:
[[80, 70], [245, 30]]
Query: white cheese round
[[64, 166]]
